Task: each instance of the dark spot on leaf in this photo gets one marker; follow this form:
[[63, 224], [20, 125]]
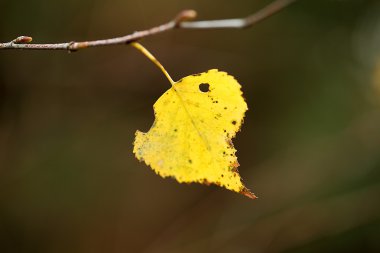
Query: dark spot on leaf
[[225, 108], [204, 87], [175, 130], [224, 130], [222, 175], [190, 161], [233, 122]]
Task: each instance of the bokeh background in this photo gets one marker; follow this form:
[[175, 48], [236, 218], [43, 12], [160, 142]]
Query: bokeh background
[[309, 148]]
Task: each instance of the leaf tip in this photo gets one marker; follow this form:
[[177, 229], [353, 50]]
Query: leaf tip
[[248, 194]]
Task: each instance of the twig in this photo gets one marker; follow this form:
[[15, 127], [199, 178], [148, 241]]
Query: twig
[[180, 22], [249, 21]]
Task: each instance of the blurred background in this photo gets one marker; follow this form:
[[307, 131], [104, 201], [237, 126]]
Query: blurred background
[[309, 148]]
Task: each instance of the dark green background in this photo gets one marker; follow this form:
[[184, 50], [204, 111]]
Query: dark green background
[[309, 148]]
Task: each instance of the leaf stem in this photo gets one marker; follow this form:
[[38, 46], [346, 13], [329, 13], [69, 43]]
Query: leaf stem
[[145, 52]]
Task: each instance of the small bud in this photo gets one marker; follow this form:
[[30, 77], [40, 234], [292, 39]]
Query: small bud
[[185, 15], [22, 40]]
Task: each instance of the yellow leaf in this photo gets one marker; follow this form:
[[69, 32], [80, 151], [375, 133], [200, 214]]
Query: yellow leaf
[[190, 139]]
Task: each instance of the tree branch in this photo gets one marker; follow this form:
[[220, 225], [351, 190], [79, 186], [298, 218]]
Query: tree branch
[[181, 21], [249, 21]]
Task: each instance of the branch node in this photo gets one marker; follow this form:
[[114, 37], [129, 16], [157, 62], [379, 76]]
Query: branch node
[[22, 40], [185, 15], [72, 47]]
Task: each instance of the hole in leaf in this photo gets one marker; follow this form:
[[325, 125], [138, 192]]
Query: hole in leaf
[[204, 87]]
